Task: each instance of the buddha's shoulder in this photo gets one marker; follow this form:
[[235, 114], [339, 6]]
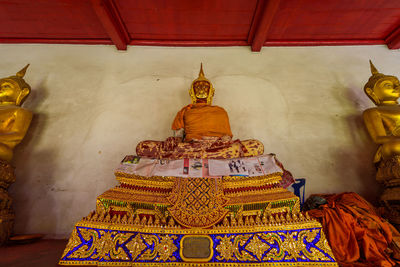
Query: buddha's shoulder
[[371, 111], [217, 108], [206, 107], [382, 110], [15, 110]]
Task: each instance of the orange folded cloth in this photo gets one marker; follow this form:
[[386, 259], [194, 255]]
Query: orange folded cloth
[[357, 235], [202, 120]]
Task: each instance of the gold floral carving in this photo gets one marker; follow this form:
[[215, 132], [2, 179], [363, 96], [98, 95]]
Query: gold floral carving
[[240, 181], [149, 254], [291, 248], [73, 242], [226, 249], [198, 202], [389, 171], [104, 246], [165, 248], [274, 253], [242, 255], [7, 175], [257, 247], [315, 254], [136, 246], [85, 250], [105, 243], [230, 250]]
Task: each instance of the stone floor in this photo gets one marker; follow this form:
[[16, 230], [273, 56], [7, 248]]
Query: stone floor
[[42, 253]]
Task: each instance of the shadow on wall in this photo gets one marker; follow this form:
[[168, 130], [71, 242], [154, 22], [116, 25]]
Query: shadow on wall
[[362, 148], [363, 155], [27, 161]]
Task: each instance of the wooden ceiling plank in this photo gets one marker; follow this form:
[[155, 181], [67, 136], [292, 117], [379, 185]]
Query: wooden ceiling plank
[[326, 42], [184, 43], [261, 33], [255, 20], [109, 17], [56, 41], [393, 40]]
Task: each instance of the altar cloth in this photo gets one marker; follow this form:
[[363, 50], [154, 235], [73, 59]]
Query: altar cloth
[[246, 166]]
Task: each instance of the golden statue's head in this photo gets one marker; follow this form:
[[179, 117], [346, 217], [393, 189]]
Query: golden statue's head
[[14, 89], [382, 88], [201, 90]]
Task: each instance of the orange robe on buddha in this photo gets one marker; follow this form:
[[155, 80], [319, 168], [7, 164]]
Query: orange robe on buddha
[[201, 120], [208, 135]]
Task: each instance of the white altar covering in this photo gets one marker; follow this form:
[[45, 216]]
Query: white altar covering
[[249, 166]]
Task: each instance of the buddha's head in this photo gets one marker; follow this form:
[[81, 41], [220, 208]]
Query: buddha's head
[[382, 89], [14, 89], [201, 90]]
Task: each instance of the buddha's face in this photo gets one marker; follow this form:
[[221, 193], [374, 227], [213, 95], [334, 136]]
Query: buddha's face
[[201, 89], [387, 89], [10, 91]]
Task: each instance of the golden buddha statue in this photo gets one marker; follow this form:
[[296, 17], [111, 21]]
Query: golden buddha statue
[[383, 124], [200, 119], [209, 204], [206, 131], [14, 122]]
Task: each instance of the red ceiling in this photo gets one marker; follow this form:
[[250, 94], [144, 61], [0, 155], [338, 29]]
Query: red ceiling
[[255, 23], [49, 19], [187, 20]]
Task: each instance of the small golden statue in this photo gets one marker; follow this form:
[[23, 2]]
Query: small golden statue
[[383, 124], [14, 122]]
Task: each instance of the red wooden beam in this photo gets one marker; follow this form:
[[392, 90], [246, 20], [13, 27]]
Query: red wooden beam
[[187, 43], [393, 40], [109, 17], [323, 42], [256, 20], [194, 42], [55, 41], [261, 32]]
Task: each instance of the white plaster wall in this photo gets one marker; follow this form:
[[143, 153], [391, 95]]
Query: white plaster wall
[[93, 104]]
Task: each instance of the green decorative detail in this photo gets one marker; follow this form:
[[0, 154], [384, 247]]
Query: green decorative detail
[[109, 202], [146, 206], [105, 203], [255, 206], [286, 203], [262, 206]]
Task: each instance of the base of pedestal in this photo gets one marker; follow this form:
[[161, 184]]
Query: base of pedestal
[[6, 225], [7, 177], [295, 242]]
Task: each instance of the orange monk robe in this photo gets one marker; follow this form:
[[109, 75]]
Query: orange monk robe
[[200, 120], [357, 234]]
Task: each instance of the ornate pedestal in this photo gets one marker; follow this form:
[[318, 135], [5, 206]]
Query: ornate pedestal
[[388, 175], [7, 177], [197, 221], [279, 241]]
